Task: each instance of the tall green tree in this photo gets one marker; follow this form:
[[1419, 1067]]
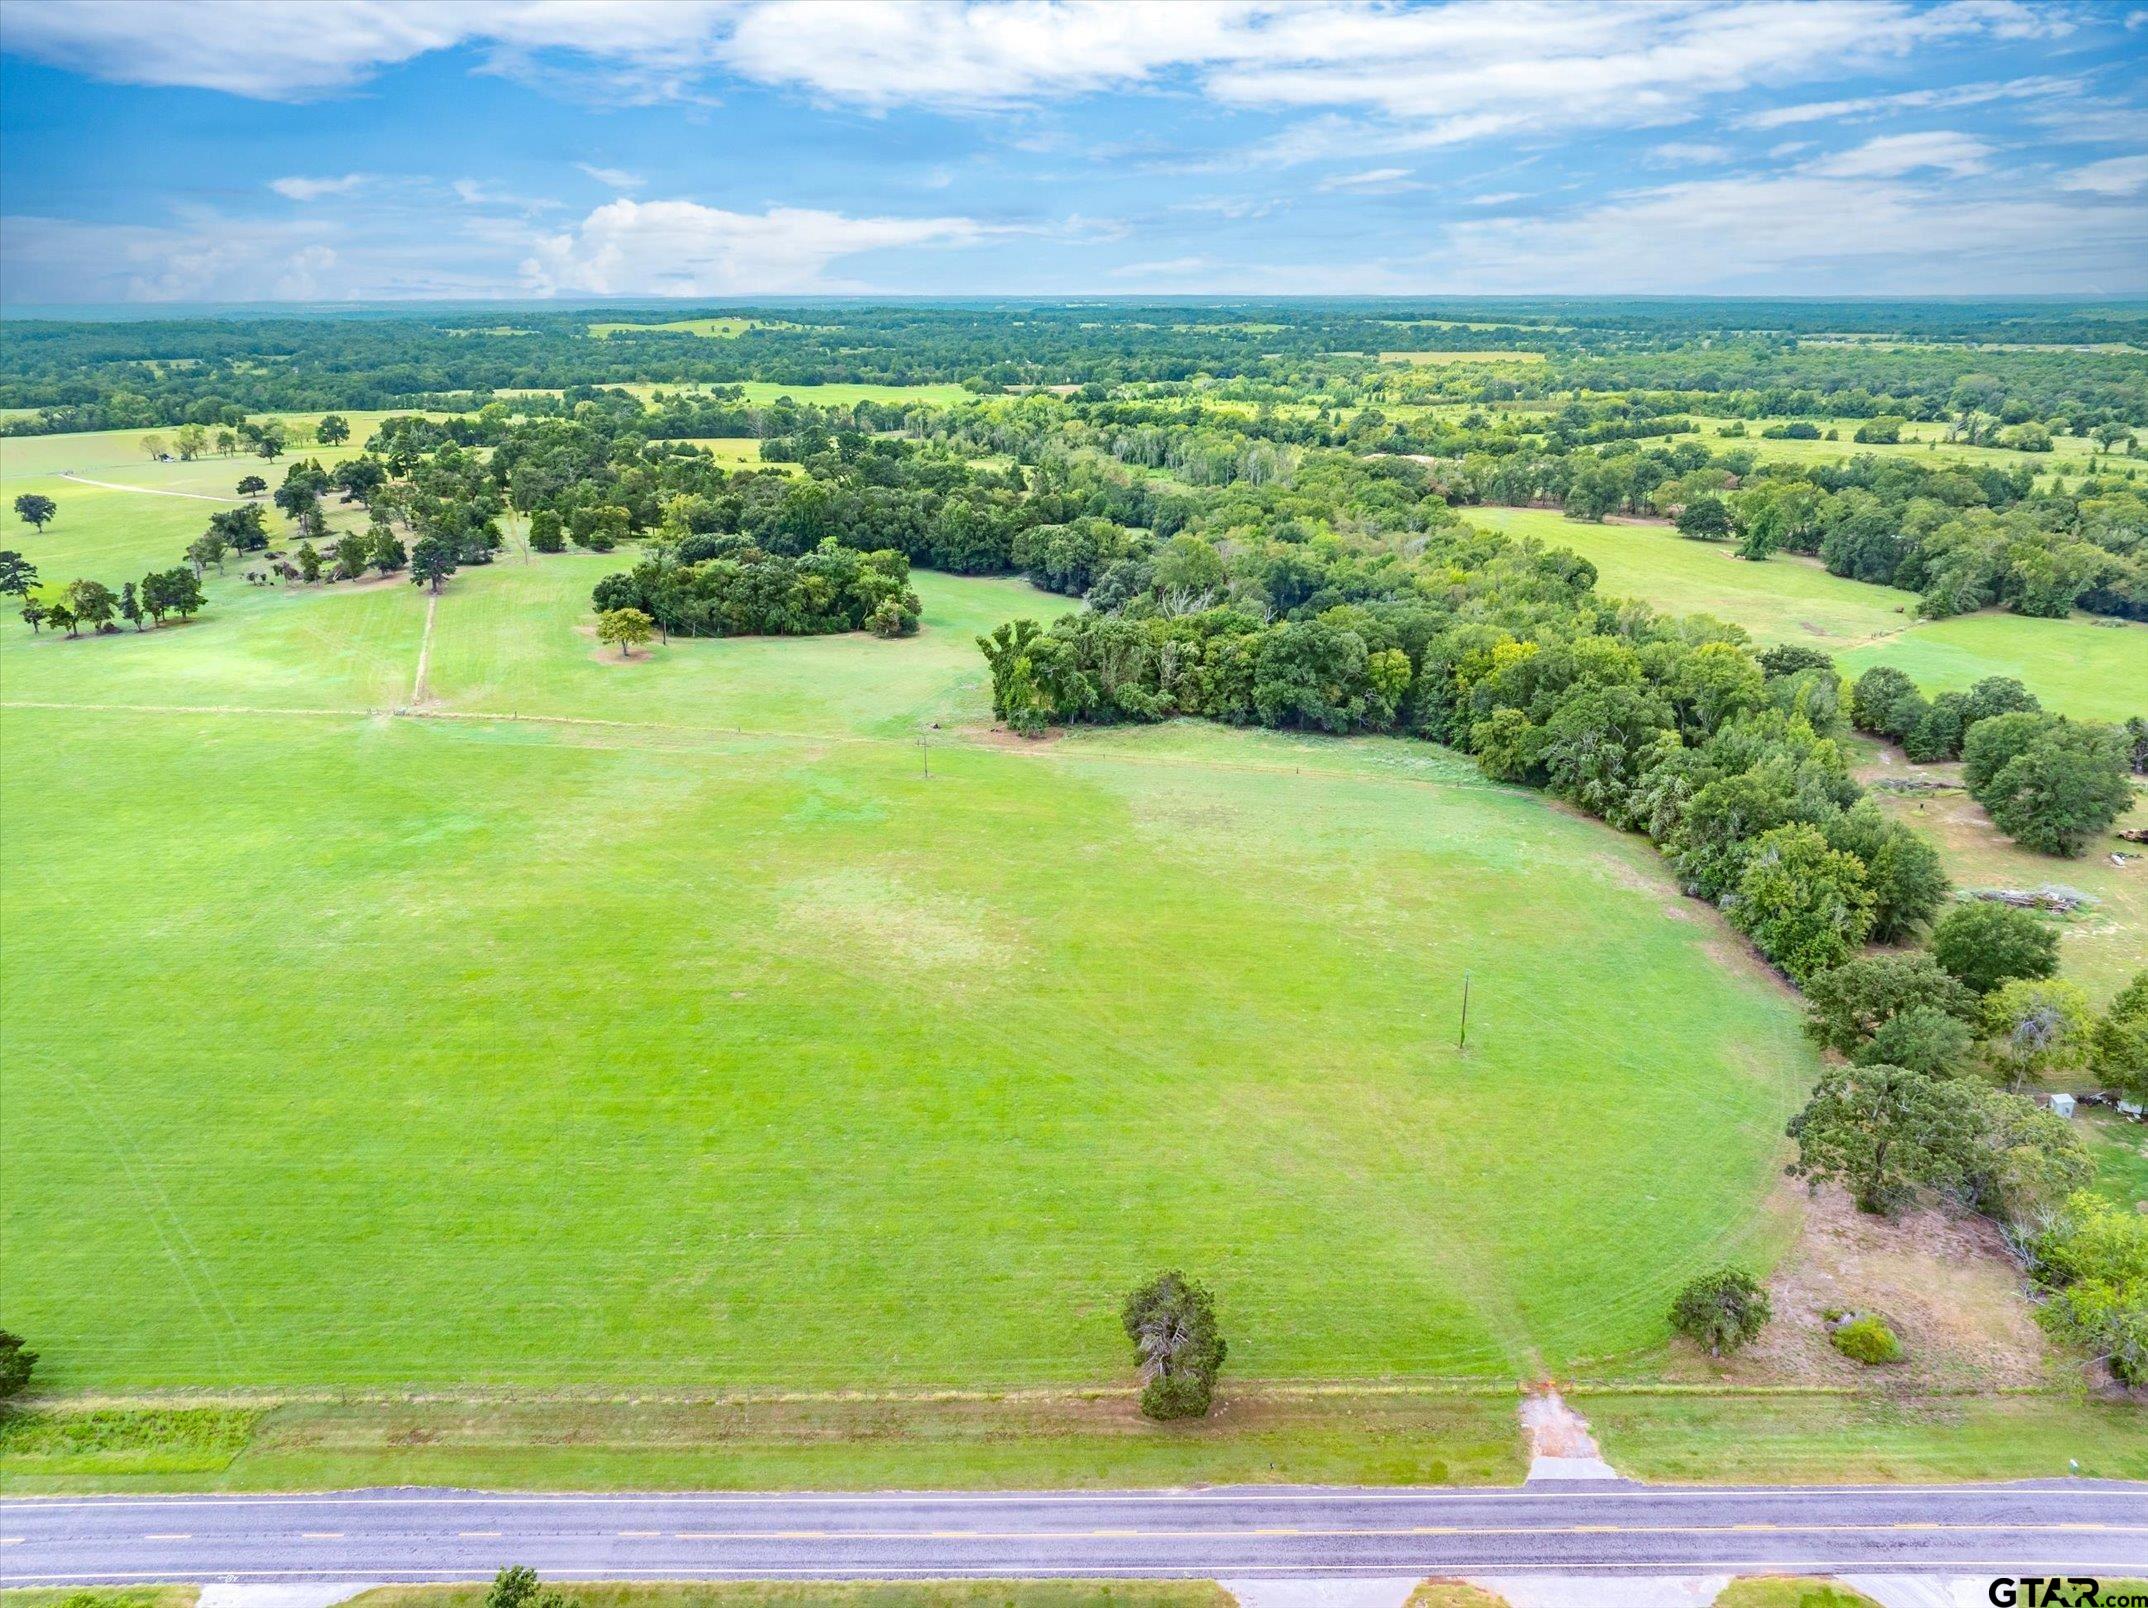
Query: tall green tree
[[432, 561], [1983, 943], [1172, 1323], [1884, 1132], [34, 508], [18, 576]]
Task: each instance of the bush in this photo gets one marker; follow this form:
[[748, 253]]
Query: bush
[[1724, 1311], [16, 1364], [2093, 1260], [1867, 1340]]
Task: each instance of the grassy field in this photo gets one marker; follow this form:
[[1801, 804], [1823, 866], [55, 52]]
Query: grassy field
[[1824, 1438], [2081, 666], [2100, 947], [714, 327], [826, 1594], [1031, 1440], [1495, 354], [738, 452], [1924, 441], [118, 535], [661, 1023], [839, 394]]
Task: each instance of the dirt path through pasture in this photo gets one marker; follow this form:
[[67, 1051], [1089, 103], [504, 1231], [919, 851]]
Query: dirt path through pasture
[[146, 491]]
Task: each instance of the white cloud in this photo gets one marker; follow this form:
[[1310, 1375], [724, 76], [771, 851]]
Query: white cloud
[[616, 178], [1498, 198], [1756, 233], [303, 189], [1392, 77], [1373, 181], [1689, 153], [2120, 175], [1937, 149], [681, 248], [1167, 268], [1911, 100], [206, 256], [483, 193]]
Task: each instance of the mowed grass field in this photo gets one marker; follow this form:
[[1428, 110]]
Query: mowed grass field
[[663, 1023], [118, 535], [2081, 666], [720, 328], [1923, 440]]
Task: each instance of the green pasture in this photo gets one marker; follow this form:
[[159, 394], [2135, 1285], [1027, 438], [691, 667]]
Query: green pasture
[[724, 328], [841, 394], [737, 452], [1497, 354], [2101, 945], [2082, 666], [661, 1022], [1922, 440]]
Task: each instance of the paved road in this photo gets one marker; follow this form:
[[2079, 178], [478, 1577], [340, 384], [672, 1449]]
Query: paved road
[[2053, 1527]]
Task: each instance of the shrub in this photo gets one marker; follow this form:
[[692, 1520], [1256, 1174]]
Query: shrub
[[16, 1364], [1724, 1310], [2094, 1261], [1867, 1340]]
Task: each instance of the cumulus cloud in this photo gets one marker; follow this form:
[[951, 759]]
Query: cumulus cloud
[[1939, 149], [303, 189], [1419, 76], [2121, 175], [681, 248]]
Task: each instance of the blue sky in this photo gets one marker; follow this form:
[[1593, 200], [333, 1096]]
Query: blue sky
[[227, 150]]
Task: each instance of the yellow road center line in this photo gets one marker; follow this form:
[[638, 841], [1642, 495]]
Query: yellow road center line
[[1250, 1533]]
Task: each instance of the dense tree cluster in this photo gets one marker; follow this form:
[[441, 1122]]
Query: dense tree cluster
[[726, 586]]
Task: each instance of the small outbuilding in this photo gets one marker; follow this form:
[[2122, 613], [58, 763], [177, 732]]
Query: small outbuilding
[[2062, 1105]]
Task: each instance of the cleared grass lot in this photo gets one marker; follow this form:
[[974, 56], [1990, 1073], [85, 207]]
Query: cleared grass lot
[[713, 327], [2082, 666], [1922, 440], [681, 1032]]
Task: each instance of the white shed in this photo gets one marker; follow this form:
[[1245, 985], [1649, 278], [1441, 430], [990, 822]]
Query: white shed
[[2062, 1105]]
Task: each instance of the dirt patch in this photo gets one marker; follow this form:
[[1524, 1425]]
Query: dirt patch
[[1008, 737], [1555, 1429], [1943, 1282]]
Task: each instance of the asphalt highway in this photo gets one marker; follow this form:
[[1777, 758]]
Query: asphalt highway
[[419, 1535]]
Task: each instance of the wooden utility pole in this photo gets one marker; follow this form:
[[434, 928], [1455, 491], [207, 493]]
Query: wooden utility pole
[[1461, 1041]]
